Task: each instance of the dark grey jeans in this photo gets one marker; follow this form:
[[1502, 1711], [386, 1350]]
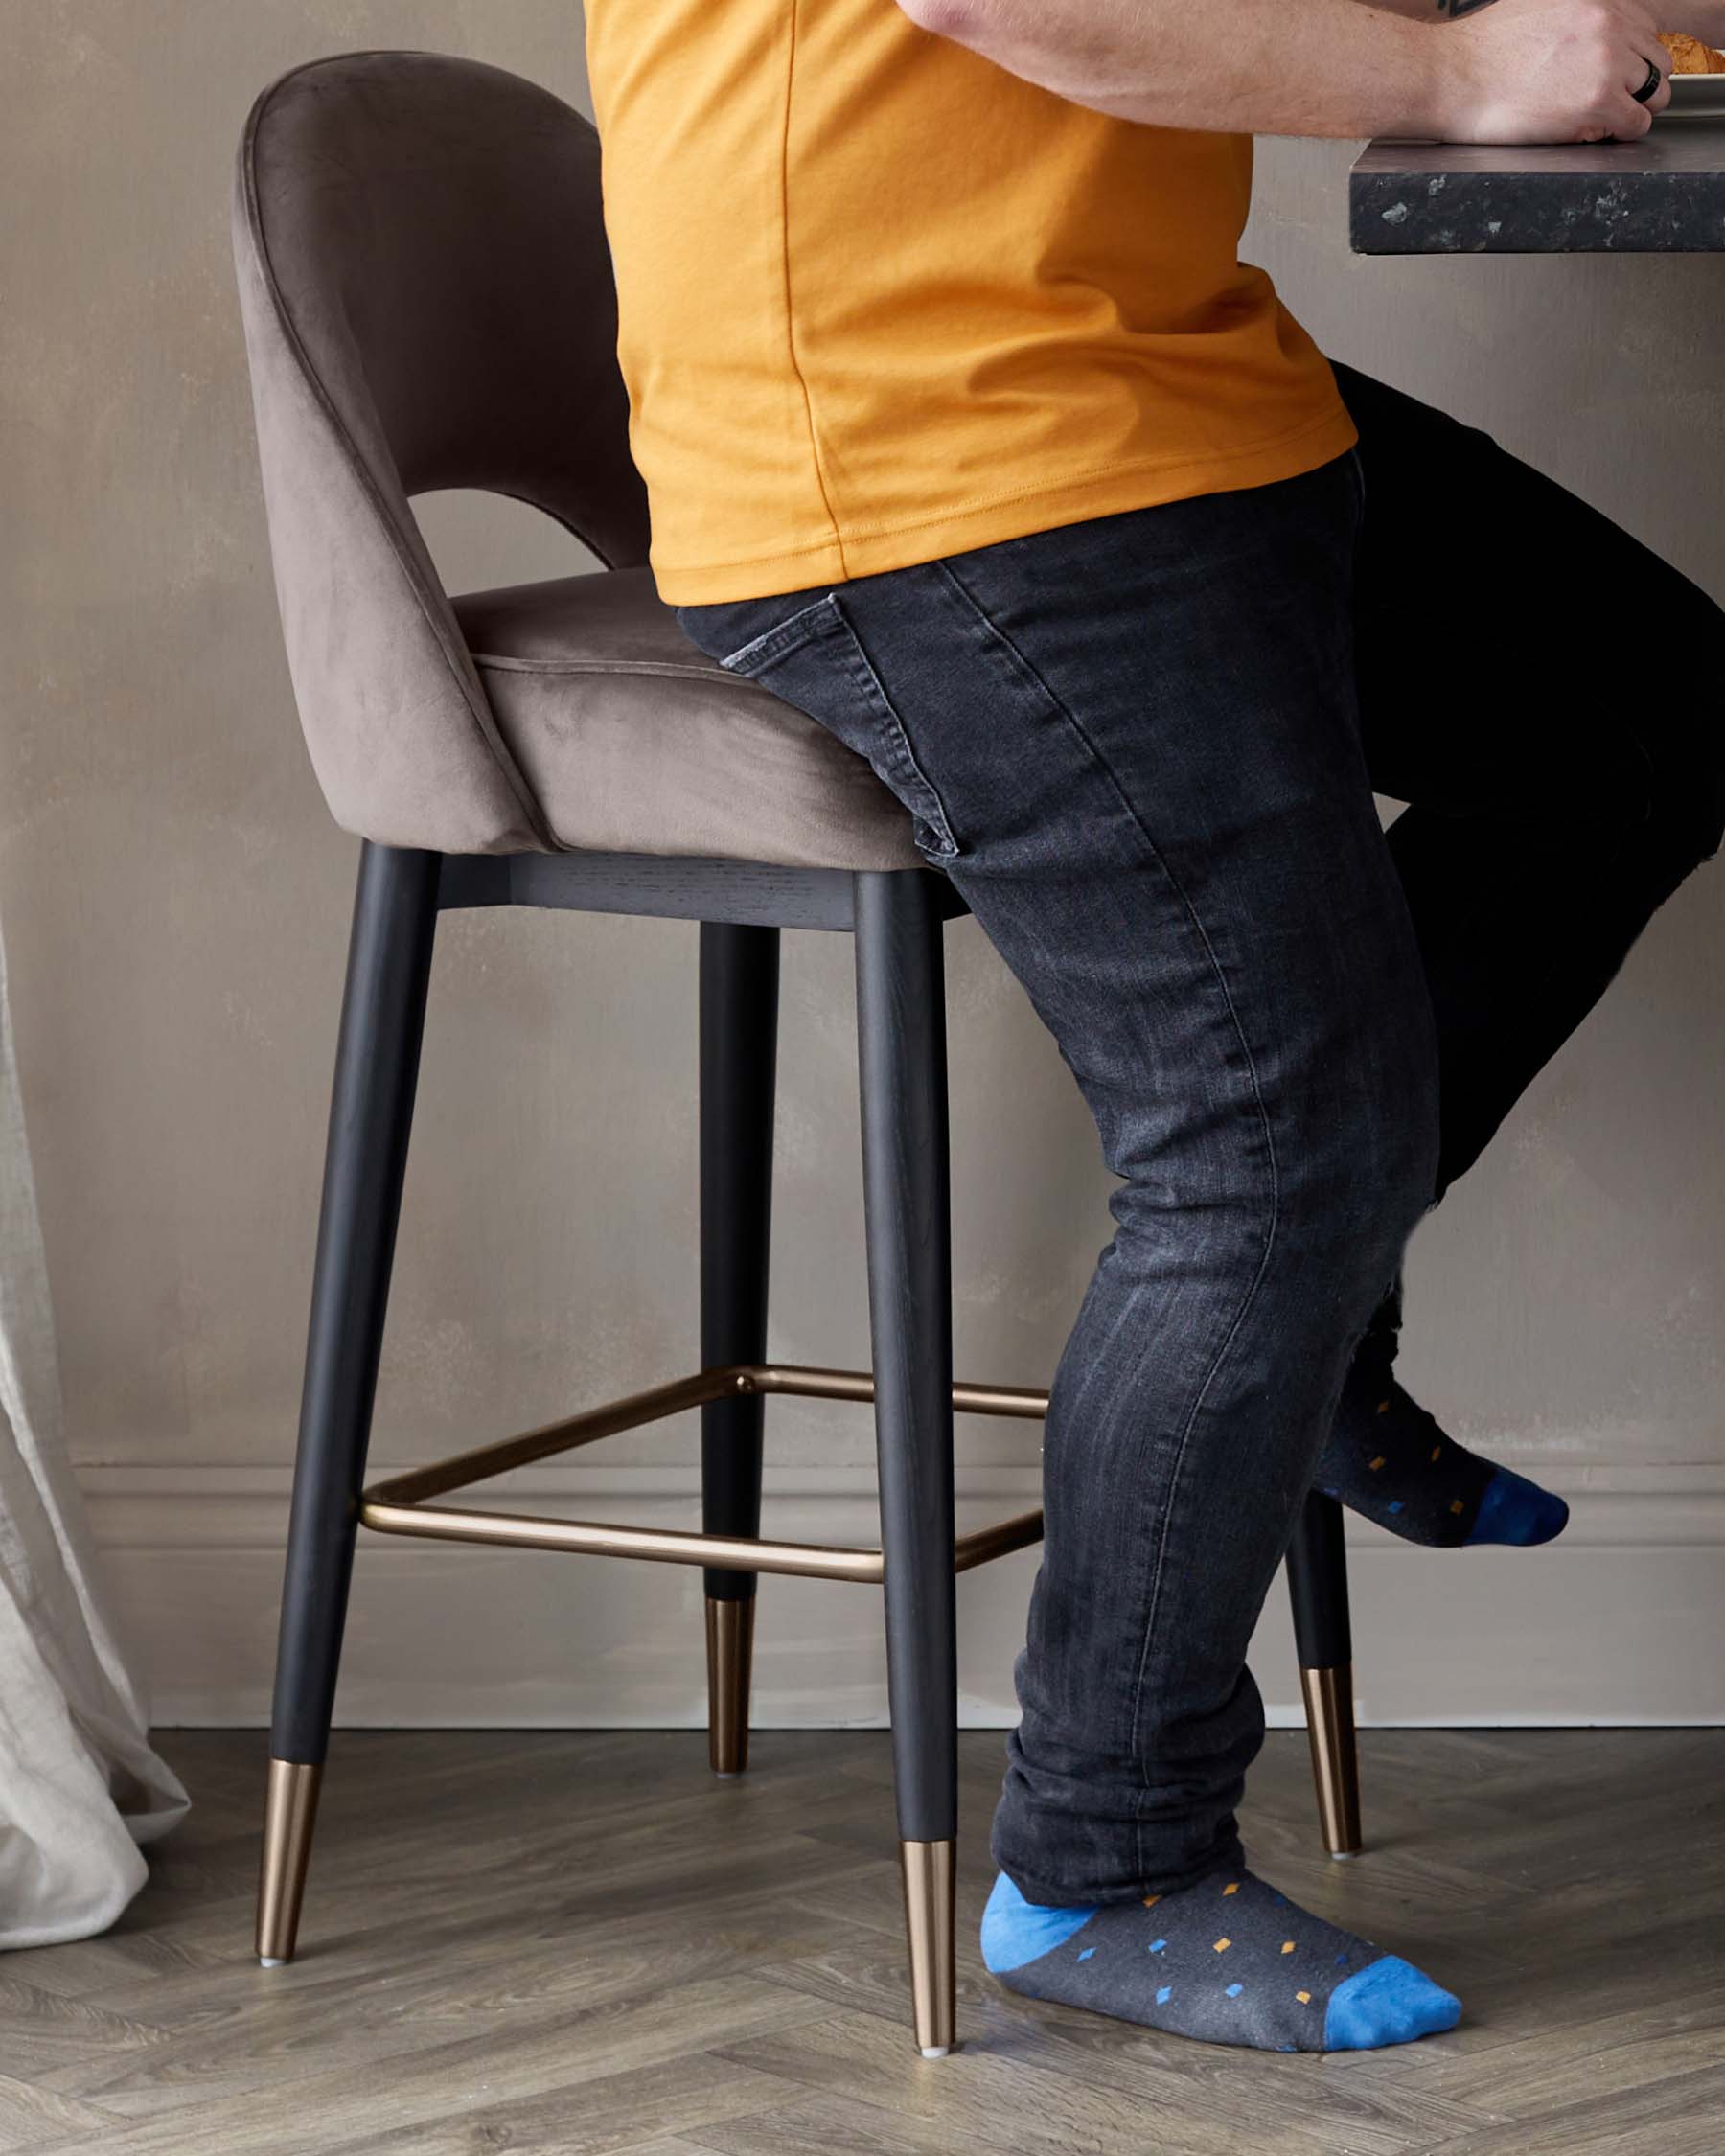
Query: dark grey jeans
[[1145, 748]]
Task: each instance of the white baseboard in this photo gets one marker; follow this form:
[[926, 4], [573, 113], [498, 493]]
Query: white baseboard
[[1619, 1623]]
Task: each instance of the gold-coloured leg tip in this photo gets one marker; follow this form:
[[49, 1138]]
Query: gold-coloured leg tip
[[730, 1653], [929, 1928], [289, 1814], [1335, 1755]]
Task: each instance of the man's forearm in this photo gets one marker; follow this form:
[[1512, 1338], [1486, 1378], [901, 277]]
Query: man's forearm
[[1517, 71], [1261, 67]]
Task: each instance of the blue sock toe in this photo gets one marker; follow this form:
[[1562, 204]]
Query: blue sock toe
[[1390, 2002], [1015, 1931], [1514, 1510]]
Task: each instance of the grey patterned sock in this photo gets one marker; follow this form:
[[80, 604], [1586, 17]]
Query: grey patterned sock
[[1228, 1961], [1388, 1459]]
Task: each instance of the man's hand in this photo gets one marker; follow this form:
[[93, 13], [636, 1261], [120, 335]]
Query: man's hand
[[1554, 71]]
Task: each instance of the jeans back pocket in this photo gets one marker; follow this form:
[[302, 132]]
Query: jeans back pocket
[[814, 660]]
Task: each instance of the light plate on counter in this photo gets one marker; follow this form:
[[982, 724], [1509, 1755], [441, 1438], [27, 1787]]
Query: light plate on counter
[[1695, 97]]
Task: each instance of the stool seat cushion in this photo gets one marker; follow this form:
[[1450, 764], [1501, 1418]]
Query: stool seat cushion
[[633, 740]]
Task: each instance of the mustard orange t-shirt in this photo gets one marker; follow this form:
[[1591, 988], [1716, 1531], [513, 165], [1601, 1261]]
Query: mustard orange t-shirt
[[883, 301]]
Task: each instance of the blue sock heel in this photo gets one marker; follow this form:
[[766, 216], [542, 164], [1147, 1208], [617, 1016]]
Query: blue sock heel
[[1015, 1931]]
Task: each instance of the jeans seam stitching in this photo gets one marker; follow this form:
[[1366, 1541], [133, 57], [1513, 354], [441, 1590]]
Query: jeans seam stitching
[[899, 740], [1270, 1234]]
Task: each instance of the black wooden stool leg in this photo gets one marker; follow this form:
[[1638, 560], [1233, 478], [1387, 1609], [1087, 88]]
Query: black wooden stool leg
[[1318, 1584], [738, 1035], [377, 1062], [901, 1014]]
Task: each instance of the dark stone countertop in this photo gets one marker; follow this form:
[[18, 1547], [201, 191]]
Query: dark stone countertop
[[1663, 194]]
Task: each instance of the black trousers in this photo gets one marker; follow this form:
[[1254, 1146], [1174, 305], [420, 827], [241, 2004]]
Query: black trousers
[[1546, 695]]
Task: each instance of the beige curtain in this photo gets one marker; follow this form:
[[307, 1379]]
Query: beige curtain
[[79, 1786]]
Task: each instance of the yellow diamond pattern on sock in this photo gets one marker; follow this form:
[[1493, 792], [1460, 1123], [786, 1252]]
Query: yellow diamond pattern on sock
[[1223, 1945], [1232, 1889], [1305, 1997], [1287, 1946]]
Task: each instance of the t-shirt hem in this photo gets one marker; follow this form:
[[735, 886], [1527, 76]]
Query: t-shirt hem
[[1139, 485]]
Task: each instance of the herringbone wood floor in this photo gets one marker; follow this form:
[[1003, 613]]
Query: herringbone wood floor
[[581, 1944]]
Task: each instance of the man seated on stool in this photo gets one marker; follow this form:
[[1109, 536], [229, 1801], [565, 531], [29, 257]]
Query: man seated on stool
[[966, 432]]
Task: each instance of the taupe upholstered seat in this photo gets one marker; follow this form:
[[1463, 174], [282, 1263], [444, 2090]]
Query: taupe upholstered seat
[[633, 740], [427, 301]]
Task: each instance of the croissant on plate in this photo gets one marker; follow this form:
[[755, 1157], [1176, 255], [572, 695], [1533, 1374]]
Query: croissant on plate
[[1689, 57]]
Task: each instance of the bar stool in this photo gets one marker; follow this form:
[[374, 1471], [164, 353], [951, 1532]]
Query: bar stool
[[427, 303]]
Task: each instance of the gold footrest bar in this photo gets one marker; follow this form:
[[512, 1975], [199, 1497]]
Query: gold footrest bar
[[397, 1506]]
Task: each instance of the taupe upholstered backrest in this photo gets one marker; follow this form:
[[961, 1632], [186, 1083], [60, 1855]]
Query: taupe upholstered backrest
[[428, 303]]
